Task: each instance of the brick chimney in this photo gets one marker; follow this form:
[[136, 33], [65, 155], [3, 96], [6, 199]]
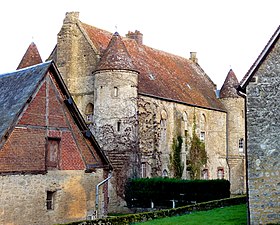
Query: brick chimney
[[137, 36], [193, 57]]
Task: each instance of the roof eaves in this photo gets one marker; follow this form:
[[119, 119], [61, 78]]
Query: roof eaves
[[181, 102], [260, 59], [69, 102]]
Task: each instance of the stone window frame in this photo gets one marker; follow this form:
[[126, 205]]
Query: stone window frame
[[143, 169], [220, 173], [241, 145], [205, 174], [50, 200], [53, 142], [119, 124], [203, 123], [185, 120], [116, 92], [165, 173], [163, 124], [202, 136], [89, 112]]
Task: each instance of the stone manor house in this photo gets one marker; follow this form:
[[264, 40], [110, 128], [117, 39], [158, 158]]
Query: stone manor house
[[137, 100]]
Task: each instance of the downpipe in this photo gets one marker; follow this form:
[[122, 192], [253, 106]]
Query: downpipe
[[97, 192]]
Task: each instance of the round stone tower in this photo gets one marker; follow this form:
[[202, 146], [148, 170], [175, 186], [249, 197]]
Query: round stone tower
[[235, 133], [115, 115]]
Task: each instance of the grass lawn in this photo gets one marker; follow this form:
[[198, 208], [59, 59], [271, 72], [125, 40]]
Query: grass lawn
[[228, 215]]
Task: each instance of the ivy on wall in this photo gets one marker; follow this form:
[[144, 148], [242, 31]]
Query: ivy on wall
[[197, 154], [175, 157]]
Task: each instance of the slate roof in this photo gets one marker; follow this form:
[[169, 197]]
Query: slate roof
[[16, 89], [246, 79], [115, 56], [31, 57], [228, 89], [162, 74]]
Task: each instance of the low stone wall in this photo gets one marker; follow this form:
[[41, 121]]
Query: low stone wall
[[142, 217]]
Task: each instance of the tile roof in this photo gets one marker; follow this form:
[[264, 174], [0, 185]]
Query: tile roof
[[115, 56], [228, 89], [162, 74], [31, 57], [16, 89]]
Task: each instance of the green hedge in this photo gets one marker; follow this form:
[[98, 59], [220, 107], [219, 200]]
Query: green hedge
[[142, 217], [140, 192]]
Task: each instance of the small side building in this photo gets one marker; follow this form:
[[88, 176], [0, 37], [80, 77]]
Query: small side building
[[261, 88], [50, 163]]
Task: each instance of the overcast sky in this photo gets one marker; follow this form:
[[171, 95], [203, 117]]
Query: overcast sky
[[226, 34]]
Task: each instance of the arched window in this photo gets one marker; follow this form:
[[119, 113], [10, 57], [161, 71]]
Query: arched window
[[202, 122], [205, 174], [185, 124], [202, 127], [163, 125], [116, 91], [89, 113], [220, 173], [164, 173], [143, 169]]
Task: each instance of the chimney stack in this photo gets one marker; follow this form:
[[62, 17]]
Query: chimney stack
[[193, 57], [137, 36], [71, 17]]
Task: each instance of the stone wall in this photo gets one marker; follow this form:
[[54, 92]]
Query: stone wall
[[23, 197], [156, 138], [263, 128], [116, 127], [76, 59]]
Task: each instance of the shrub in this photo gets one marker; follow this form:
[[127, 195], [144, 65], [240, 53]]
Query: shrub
[[141, 191]]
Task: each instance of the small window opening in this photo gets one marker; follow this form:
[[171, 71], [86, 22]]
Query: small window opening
[[220, 173], [52, 152], [50, 200], [205, 174], [118, 126], [143, 170], [116, 92], [164, 173], [241, 145], [89, 113], [202, 136]]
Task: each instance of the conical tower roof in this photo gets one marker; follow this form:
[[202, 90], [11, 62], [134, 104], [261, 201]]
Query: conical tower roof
[[228, 89], [31, 57], [116, 56]]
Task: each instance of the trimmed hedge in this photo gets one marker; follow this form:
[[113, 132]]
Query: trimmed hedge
[[140, 192], [142, 217]]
